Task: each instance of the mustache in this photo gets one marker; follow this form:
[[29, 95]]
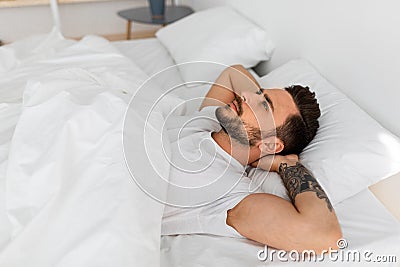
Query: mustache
[[239, 104]]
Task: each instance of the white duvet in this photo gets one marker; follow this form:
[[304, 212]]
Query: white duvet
[[67, 197]]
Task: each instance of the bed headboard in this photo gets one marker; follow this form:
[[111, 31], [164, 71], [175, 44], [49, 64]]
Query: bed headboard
[[354, 44]]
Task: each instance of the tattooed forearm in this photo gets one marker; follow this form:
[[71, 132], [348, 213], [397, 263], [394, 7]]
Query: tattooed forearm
[[297, 179]]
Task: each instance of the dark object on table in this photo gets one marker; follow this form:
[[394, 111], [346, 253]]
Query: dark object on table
[[143, 15], [157, 8]]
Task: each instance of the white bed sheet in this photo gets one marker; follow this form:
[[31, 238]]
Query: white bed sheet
[[149, 54], [152, 57]]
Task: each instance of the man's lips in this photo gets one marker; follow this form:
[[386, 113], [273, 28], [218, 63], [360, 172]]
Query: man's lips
[[234, 106]]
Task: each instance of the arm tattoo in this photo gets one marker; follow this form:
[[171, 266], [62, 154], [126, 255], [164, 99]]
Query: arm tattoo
[[297, 179]]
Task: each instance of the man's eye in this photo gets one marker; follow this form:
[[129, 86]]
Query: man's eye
[[259, 92], [265, 104]]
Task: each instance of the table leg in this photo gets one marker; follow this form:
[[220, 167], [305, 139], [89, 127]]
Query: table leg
[[128, 30]]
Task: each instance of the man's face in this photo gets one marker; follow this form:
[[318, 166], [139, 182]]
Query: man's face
[[253, 112]]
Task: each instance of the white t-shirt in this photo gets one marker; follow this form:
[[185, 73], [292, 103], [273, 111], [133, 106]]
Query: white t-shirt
[[205, 181]]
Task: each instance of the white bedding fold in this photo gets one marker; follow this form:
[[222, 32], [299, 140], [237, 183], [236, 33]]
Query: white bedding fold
[[70, 199]]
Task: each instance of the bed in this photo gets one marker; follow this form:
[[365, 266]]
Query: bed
[[362, 230], [67, 198]]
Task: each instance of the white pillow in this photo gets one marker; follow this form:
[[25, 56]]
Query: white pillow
[[218, 35], [351, 151]]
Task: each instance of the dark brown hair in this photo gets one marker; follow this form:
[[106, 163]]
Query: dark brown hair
[[298, 130]]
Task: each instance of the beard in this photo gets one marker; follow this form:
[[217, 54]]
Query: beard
[[239, 131]]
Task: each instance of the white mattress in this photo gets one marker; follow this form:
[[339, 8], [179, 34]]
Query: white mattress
[[366, 223], [151, 56], [154, 59]]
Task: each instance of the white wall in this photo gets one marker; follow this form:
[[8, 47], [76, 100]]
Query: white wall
[[76, 19], [355, 44]]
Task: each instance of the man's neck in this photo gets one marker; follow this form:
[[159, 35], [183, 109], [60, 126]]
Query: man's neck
[[238, 152]]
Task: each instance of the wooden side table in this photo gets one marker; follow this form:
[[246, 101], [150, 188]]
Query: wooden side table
[[143, 15]]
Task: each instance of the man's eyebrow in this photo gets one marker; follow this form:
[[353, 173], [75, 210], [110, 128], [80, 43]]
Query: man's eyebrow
[[268, 99]]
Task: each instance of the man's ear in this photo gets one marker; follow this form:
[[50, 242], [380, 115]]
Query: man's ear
[[271, 145]]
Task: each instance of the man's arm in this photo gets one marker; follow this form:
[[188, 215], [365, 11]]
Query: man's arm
[[233, 79], [307, 222]]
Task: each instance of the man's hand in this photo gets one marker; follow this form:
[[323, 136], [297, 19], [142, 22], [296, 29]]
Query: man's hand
[[272, 162]]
